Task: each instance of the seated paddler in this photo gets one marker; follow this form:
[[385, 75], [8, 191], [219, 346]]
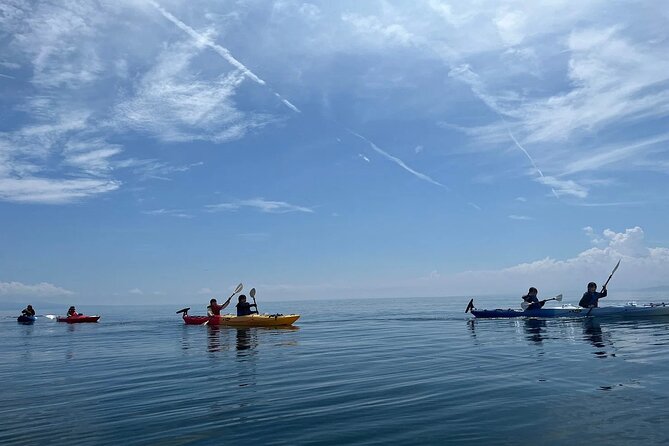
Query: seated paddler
[[214, 309], [244, 308], [532, 299]]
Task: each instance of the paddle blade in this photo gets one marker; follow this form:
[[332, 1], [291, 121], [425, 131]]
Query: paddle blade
[[252, 293], [183, 310], [558, 297], [524, 305], [616, 268], [470, 306], [239, 288], [50, 316]]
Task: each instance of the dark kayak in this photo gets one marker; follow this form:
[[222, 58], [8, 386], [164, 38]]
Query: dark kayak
[[23, 319], [569, 311]]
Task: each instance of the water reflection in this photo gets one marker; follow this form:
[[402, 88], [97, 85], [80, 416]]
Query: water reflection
[[246, 339], [592, 332], [218, 338], [535, 330]]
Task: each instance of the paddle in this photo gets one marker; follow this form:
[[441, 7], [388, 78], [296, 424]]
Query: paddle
[[252, 293], [237, 290], [524, 305], [606, 283], [470, 306]]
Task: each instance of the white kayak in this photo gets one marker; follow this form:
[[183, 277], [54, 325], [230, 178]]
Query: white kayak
[[628, 310]]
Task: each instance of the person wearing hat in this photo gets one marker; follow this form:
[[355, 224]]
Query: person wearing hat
[[72, 311], [591, 297]]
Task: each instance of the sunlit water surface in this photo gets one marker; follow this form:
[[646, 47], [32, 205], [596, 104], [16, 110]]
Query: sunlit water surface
[[367, 372]]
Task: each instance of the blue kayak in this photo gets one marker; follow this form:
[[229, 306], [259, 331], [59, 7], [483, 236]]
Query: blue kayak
[[23, 319], [570, 311]]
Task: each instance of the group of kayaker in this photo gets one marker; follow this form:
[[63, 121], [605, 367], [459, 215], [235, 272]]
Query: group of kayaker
[[590, 298], [30, 311], [243, 307]]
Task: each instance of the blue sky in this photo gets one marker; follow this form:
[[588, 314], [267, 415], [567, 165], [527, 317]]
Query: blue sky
[[163, 151]]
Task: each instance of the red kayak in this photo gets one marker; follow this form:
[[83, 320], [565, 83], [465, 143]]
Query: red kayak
[[77, 319]]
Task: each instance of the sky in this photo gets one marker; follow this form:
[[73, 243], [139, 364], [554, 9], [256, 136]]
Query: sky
[[162, 151]]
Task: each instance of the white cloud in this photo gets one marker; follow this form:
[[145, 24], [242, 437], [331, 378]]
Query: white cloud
[[519, 217], [641, 267], [205, 291], [271, 207], [43, 289], [510, 26], [374, 29], [136, 291], [52, 191], [564, 187], [169, 212], [174, 104]]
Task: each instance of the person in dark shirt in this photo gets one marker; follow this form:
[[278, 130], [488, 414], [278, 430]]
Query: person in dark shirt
[[28, 311], [72, 311], [532, 299], [214, 309], [244, 308], [591, 297]]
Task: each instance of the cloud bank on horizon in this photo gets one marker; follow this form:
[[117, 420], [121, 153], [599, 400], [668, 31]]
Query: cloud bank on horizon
[[146, 110]]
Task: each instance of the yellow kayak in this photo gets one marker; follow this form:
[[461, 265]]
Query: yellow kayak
[[252, 320]]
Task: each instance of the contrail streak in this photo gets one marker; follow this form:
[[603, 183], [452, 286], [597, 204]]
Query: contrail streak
[[527, 154], [398, 161], [223, 52]]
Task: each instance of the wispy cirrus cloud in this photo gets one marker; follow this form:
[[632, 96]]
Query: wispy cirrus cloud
[[52, 191], [180, 213], [520, 217], [205, 41], [173, 104], [271, 207]]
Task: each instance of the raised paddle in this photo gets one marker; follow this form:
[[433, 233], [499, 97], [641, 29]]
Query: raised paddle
[[612, 272], [606, 283], [252, 293], [524, 305], [470, 306], [237, 290]]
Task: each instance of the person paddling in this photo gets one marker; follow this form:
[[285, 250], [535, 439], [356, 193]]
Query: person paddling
[[532, 299], [244, 308], [591, 297], [214, 309], [28, 311], [72, 311]]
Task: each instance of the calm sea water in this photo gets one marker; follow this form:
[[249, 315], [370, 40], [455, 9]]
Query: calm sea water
[[369, 372]]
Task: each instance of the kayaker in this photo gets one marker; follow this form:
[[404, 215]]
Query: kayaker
[[244, 308], [28, 311], [214, 309], [532, 299], [72, 311], [591, 297]]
